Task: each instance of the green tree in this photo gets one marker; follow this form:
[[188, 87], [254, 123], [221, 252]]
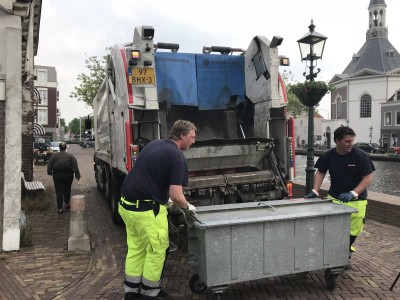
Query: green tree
[[294, 106], [73, 126], [62, 124], [90, 83]]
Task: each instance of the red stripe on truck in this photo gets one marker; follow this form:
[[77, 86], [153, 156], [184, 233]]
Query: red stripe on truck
[[128, 142], [130, 96], [282, 85]]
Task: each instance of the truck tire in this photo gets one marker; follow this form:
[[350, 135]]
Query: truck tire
[[107, 184], [115, 195], [96, 176]]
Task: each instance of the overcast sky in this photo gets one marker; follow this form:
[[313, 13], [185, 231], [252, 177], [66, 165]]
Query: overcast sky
[[72, 30]]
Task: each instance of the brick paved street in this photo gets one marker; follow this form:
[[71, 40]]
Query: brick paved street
[[48, 271]]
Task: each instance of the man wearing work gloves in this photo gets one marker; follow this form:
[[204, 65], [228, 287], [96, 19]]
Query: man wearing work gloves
[[159, 173], [350, 170]]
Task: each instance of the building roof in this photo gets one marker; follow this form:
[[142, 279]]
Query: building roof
[[377, 54], [377, 2]]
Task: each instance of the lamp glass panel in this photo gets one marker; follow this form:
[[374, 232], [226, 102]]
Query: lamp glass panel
[[319, 48], [305, 50]]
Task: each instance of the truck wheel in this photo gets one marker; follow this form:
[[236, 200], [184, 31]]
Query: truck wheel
[[107, 185], [87, 145], [96, 175], [115, 196]]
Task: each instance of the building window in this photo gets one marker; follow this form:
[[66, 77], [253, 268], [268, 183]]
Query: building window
[[338, 107], [42, 115], [397, 117], [43, 96], [393, 139], [388, 118], [365, 107], [42, 77]]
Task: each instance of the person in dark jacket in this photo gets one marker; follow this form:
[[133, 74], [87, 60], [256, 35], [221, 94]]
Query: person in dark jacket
[[63, 165]]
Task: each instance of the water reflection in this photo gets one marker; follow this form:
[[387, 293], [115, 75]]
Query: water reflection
[[386, 177]]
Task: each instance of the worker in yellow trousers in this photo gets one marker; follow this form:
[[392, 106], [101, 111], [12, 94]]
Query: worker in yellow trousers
[[159, 174]]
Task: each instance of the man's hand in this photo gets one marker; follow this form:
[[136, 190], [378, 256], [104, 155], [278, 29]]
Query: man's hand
[[169, 203], [312, 194], [191, 207], [346, 197]]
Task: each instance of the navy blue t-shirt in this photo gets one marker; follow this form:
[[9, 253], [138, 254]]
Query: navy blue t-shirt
[[159, 165], [346, 171]]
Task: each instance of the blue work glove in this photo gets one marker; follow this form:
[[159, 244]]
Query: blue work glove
[[346, 197], [310, 195]]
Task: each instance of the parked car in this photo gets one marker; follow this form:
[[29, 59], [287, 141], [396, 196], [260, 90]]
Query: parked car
[[396, 150], [370, 147], [55, 146], [86, 143], [41, 142]]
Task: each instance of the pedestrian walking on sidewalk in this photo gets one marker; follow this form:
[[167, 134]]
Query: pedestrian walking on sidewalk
[[63, 165], [159, 173], [350, 171]]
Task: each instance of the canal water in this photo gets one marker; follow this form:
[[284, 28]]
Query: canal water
[[386, 178]]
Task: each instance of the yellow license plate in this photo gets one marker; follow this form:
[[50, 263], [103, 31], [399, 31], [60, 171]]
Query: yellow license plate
[[141, 76]]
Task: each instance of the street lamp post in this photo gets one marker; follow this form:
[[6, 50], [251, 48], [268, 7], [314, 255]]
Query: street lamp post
[[370, 134], [311, 49]]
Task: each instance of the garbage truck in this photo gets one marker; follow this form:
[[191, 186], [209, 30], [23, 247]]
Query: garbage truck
[[244, 149]]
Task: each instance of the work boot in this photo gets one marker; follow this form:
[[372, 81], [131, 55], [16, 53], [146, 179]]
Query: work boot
[[131, 296], [161, 296]]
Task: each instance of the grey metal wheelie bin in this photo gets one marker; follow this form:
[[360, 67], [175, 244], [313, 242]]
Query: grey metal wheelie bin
[[249, 241]]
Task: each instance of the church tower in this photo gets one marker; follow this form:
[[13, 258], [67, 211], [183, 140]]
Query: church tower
[[367, 83], [377, 20]]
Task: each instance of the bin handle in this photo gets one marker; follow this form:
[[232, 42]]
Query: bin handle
[[191, 215], [267, 205]]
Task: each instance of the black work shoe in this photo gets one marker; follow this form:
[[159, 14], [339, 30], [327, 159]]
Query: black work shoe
[[161, 296], [67, 206], [130, 296]]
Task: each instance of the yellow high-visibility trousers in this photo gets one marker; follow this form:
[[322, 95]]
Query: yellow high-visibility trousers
[[147, 240]]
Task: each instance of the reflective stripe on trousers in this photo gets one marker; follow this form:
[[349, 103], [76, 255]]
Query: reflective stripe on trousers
[[147, 240], [357, 218]]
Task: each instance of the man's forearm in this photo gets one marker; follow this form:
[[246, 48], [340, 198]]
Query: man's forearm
[[318, 179], [364, 184], [177, 196]]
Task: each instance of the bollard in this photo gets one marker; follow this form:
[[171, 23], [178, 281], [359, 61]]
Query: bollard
[[78, 231]]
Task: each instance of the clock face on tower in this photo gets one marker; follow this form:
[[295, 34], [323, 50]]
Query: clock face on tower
[[375, 34]]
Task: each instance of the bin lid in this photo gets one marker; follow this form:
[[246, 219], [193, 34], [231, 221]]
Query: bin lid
[[266, 211]]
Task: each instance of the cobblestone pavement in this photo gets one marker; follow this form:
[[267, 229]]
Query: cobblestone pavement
[[47, 270]]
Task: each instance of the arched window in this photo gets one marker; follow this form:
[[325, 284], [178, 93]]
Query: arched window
[[365, 106], [338, 107]]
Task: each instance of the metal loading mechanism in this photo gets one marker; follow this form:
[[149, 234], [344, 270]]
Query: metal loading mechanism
[[258, 178]]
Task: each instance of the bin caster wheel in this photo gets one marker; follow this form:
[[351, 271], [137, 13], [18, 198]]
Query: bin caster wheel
[[196, 285], [217, 296], [330, 280]]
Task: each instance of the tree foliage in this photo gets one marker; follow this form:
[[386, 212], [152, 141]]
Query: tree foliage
[[73, 126], [90, 83], [62, 122], [294, 106]]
